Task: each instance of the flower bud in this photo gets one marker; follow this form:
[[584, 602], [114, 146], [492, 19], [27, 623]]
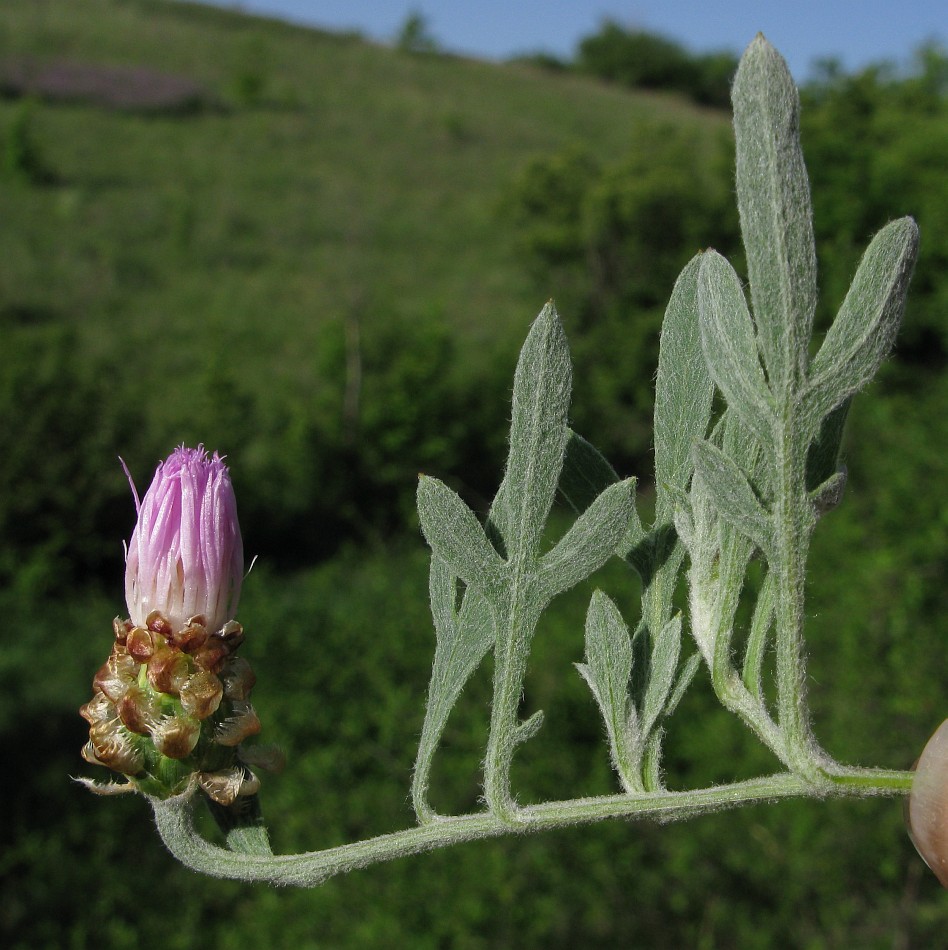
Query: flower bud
[[185, 558], [171, 706]]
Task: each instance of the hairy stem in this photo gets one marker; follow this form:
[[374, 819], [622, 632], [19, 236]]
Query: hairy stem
[[794, 522], [175, 825], [516, 629]]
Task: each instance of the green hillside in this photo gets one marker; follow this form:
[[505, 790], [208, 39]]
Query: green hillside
[[357, 177]]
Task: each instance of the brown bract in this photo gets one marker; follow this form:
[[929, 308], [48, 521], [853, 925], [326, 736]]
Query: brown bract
[[177, 694]]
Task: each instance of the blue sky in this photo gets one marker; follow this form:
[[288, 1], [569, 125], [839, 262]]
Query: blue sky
[[856, 32]]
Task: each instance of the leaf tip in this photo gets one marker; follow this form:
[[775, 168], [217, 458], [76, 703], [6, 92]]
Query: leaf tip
[[760, 57], [548, 311], [760, 46], [909, 226], [599, 598]]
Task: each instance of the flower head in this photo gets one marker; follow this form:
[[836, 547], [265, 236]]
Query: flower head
[[170, 708], [186, 557]]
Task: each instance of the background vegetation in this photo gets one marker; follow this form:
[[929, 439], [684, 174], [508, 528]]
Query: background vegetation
[[320, 256]]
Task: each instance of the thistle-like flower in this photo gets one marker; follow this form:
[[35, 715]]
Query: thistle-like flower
[[171, 707]]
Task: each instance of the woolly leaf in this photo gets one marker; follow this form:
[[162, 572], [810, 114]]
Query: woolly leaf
[[607, 670], [683, 392], [773, 199], [538, 432], [730, 346], [586, 474], [456, 536], [463, 638], [664, 662], [731, 494], [865, 327], [591, 540]]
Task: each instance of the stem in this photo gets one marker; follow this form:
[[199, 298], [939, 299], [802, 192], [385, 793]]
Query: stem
[[757, 639], [794, 522], [513, 643], [175, 825], [659, 593], [639, 761], [876, 781], [419, 784], [736, 698]]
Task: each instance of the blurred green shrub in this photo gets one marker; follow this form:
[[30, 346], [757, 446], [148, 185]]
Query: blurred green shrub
[[338, 461], [250, 73], [643, 60], [414, 36], [61, 487], [23, 159], [312, 471], [875, 143], [343, 649], [609, 242]]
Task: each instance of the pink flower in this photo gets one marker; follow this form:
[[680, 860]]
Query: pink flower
[[186, 556]]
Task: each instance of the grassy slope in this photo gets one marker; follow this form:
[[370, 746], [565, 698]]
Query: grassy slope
[[363, 182]]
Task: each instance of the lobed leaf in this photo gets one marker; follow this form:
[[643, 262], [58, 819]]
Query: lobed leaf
[[822, 460], [685, 677], [586, 472], [527, 729], [757, 638], [827, 496], [663, 664]]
